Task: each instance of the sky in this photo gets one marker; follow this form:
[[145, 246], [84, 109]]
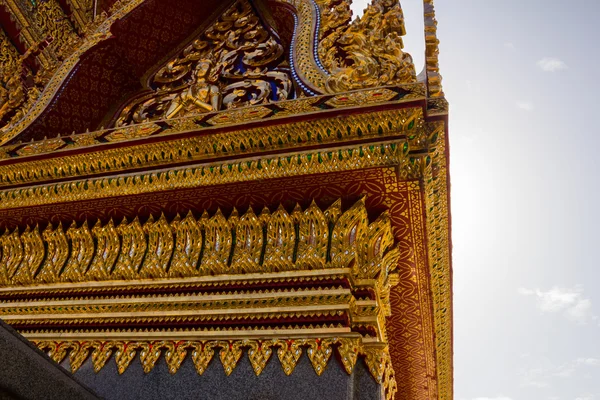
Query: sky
[[521, 79]]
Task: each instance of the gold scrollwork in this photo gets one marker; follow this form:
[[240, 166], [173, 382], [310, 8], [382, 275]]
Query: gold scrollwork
[[434, 79], [188, 244], [313, 231], [248, 242], [281, 238], [107, 251], [437, 220], [218, 239]]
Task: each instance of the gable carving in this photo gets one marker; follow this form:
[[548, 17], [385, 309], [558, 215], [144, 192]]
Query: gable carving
[[235, 62]]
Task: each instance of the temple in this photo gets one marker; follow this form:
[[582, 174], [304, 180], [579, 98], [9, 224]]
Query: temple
[[234, 199]]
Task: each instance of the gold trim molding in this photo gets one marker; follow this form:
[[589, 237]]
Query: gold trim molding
[[244, 141], [435, 178], [382, 154]]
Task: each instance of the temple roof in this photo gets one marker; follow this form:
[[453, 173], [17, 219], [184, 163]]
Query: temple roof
[[259, 177]]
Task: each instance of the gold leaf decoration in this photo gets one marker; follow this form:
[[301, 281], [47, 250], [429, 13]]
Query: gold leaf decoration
[[348, 232], [281, 240], [133, 248], [319, 352], [377, 241], [78, 354], [175, 354], [348, 351], [160, 248], [230, 354], [124, 354], [188, 244], [33, 254], [57, 253], [218, 241], [101, 354], [313, 238], [149, 354], [248, 242], [259, 354], [202, 355], [82, 251], [269, 242], [289, 353], [12, 255], [107, 251]]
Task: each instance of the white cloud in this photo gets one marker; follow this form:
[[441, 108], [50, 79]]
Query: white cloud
[[585, 397], [493, 398], [525, 105], [534, 377], [509, 45], [592, 362], [551, 64], [541, 377], [570, 301]]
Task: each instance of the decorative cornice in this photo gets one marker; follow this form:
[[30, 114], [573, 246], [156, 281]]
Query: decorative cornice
[[250, 243], [101, 156], [382, 154]]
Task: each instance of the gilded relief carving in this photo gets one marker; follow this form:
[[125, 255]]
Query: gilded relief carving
[[53, 22], [12, 92], [9, 58], [407, 121], [235, 63], [368, 51]]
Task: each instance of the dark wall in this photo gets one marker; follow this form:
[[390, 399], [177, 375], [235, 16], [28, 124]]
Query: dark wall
[[272, 384]]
